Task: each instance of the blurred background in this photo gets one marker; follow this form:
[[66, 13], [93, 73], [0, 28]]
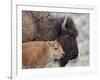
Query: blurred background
[[82, 24]]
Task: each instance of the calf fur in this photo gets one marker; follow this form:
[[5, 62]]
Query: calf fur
[[36, 54]]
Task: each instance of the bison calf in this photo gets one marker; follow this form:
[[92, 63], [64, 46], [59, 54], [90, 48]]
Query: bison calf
[[36, 54]]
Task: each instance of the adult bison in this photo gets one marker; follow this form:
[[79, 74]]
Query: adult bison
[[42, 26]]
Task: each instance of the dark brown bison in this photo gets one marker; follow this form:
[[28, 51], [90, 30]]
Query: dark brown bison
[[42, 26]]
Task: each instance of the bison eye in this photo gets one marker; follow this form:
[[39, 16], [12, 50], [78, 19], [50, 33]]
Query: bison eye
[[68, 38]]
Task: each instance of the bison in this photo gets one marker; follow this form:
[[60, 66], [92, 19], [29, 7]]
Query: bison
[[36, 54], [42, 26]]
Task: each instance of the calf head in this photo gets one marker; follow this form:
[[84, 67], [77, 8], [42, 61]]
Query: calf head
[[56, 50]]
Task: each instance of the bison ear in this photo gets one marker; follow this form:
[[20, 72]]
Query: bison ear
[[64, 23]]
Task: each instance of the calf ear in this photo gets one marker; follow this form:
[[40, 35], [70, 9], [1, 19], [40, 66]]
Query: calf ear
[[55, 40], [49, 43]]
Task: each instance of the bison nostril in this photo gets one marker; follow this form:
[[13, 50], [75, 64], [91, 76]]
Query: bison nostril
[[72, 55], [76, 55]]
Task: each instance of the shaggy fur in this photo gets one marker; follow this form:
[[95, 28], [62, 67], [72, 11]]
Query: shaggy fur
[[37, 54], [46, 27]]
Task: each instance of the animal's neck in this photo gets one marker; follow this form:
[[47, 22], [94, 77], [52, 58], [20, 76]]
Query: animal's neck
[[47, 58]]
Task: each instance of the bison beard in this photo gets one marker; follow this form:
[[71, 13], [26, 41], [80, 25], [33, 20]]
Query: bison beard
[[45, 27], [70, 52]]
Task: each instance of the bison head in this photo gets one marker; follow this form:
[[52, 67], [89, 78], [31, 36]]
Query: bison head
[[67, 38]]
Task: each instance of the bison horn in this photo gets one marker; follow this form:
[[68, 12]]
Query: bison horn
[[64, 23]]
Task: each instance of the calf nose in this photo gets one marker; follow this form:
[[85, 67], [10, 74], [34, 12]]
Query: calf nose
[[63, 53]]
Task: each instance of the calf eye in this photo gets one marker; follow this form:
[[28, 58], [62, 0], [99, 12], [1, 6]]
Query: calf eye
[[55, 48]]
